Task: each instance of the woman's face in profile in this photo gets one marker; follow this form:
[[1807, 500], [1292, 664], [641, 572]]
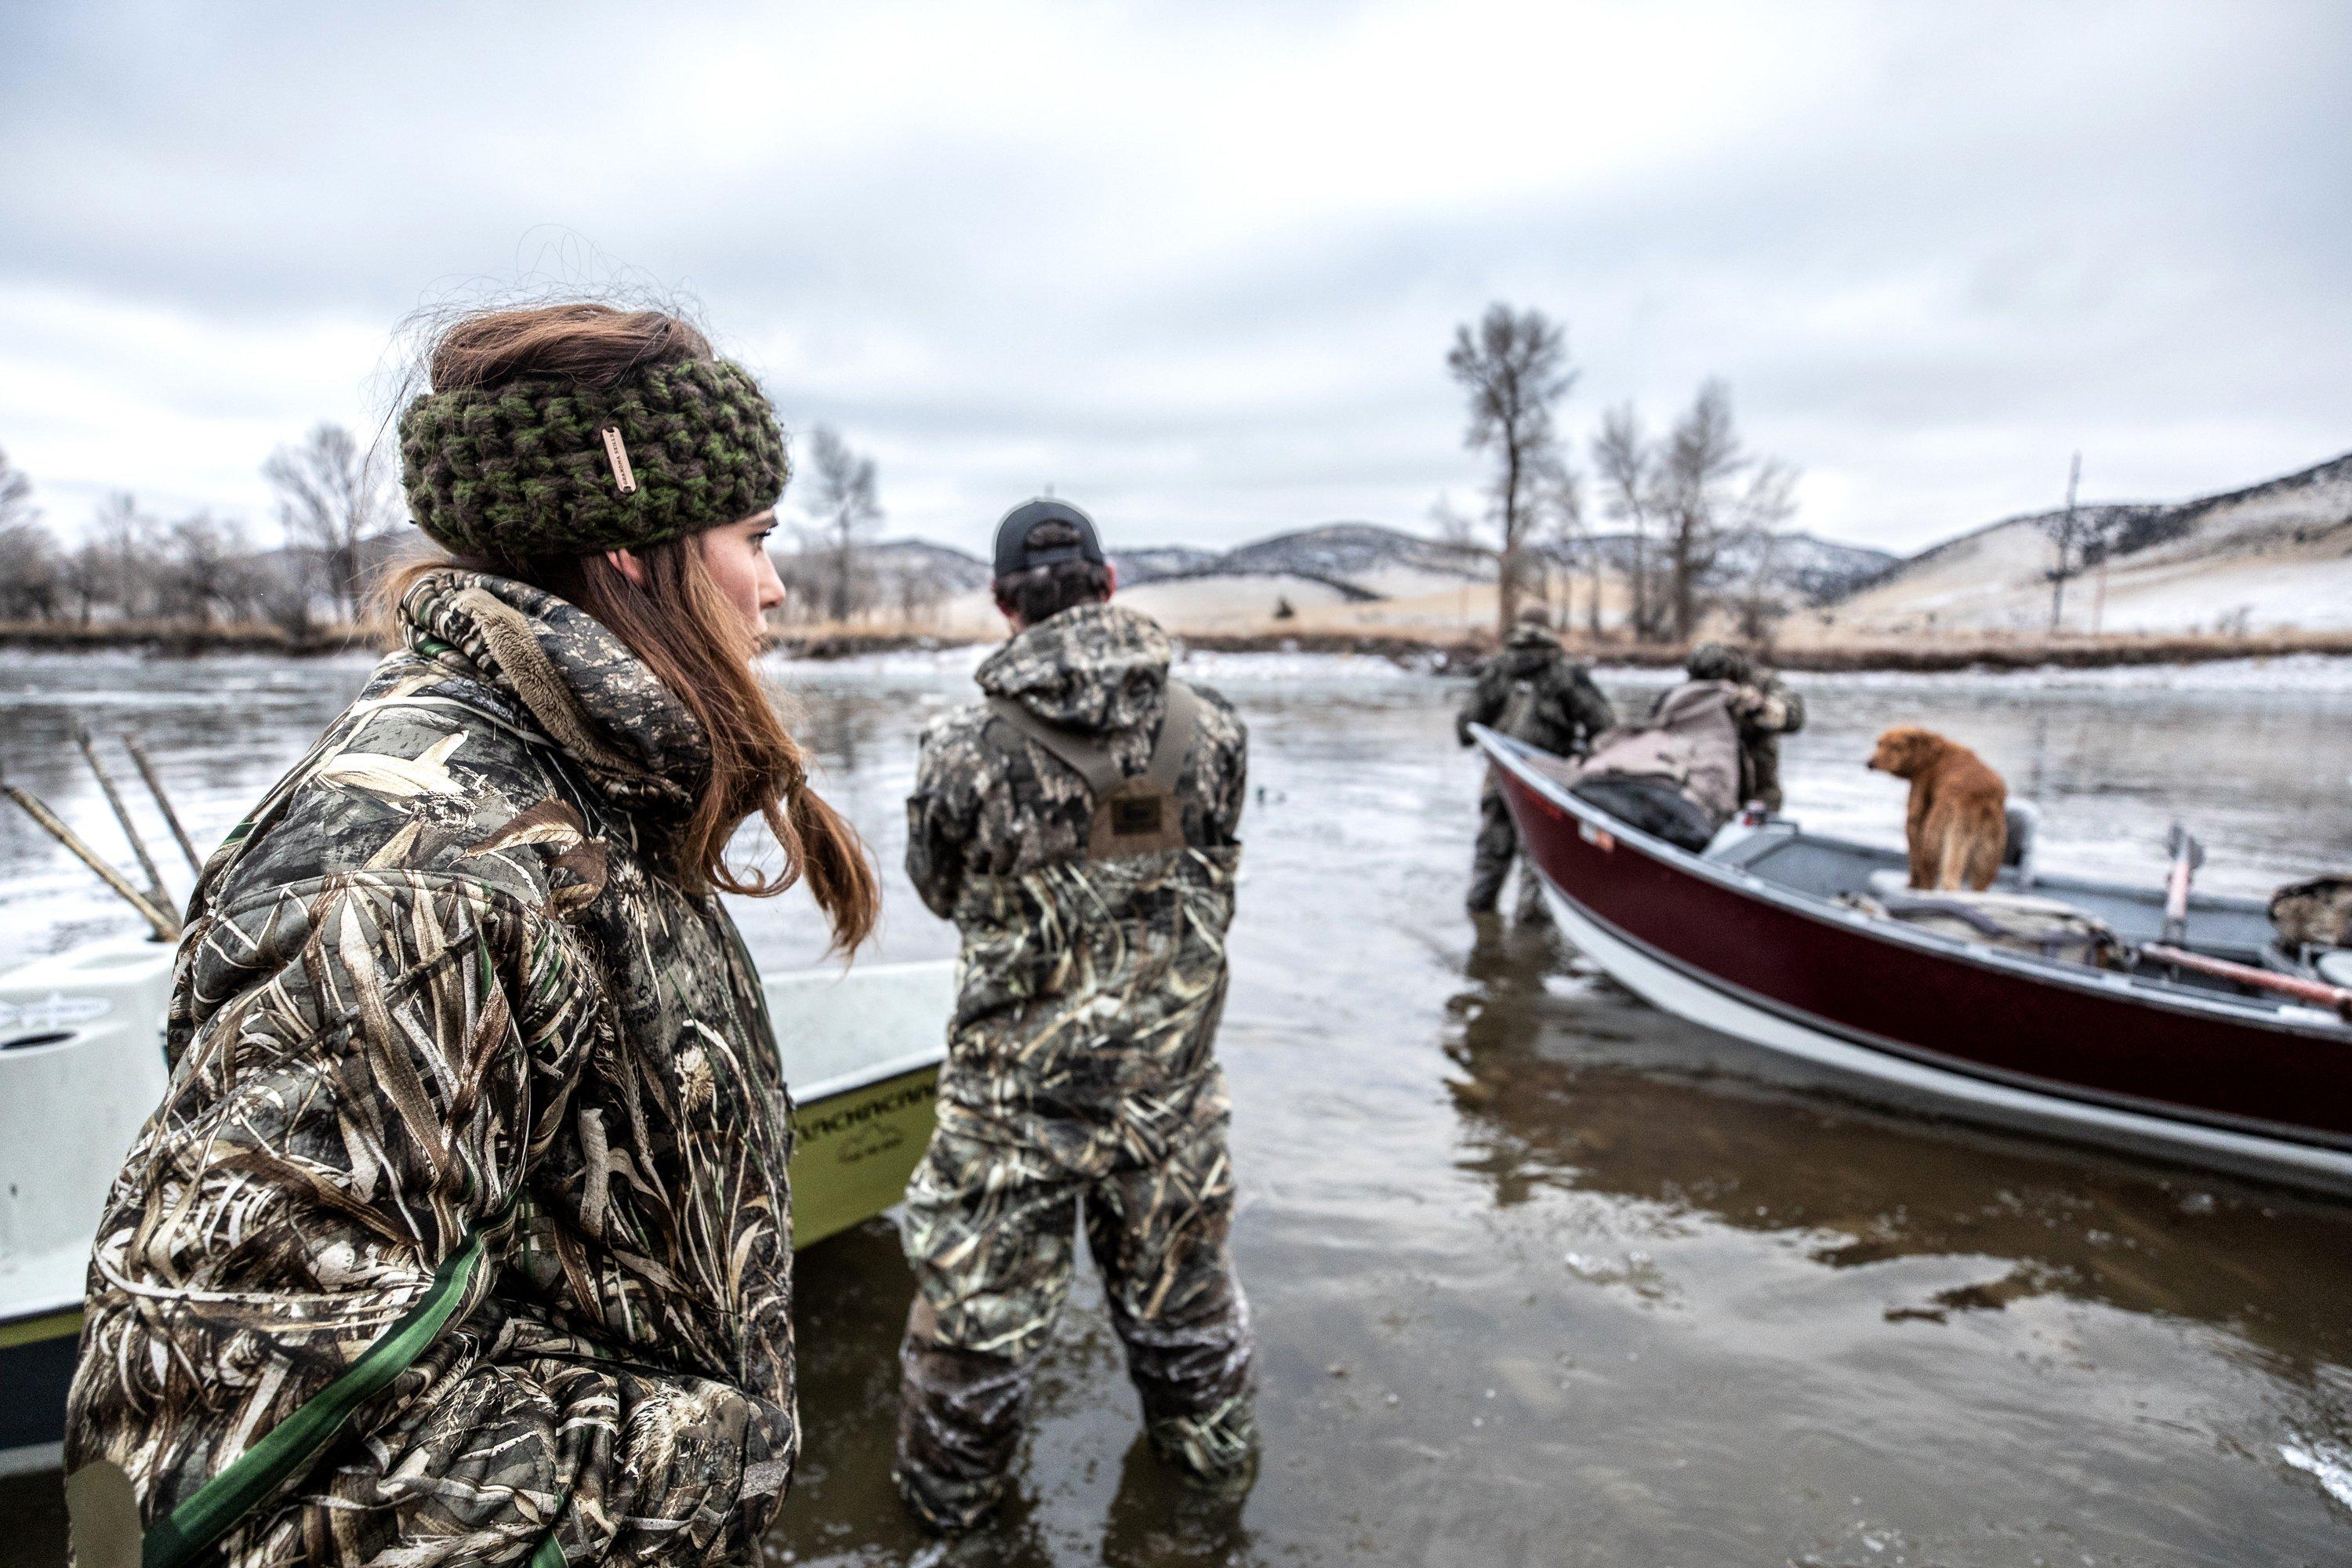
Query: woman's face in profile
[[735, 555]]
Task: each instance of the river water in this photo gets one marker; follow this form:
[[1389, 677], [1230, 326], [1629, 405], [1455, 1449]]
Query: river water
[[1540, 1275]]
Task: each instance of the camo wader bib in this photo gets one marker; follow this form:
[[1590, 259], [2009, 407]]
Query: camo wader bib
[[1080, 1089]]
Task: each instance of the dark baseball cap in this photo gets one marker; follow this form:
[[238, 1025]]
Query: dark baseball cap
[[1073, 540]]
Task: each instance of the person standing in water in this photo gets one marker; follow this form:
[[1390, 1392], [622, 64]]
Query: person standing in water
[[1078, 827], [462, 1234], [1533, 691]]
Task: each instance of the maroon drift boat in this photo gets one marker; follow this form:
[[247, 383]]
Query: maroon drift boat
[[1760, 938]]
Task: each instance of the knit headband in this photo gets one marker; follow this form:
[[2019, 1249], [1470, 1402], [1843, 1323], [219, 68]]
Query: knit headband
[[542, 466]]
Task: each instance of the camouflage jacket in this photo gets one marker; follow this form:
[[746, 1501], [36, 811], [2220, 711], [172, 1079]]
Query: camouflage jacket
[[1533, 691], [462, 1234], [1088, 989]]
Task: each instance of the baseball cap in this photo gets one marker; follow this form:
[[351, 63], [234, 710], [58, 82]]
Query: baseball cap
[[1073, 540]]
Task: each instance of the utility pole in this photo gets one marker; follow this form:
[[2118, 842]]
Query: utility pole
[[2098, 583], [2065, 542]]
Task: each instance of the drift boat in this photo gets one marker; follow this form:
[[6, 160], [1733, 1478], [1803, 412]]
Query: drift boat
[[1781, 938], [81, 1066]]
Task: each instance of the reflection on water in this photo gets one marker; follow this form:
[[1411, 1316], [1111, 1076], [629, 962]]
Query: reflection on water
[[1540, 1275]]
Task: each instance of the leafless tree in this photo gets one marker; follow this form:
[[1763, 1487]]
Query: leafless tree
[[1514, 367], [1626, 466], [332, 496], [804, 576], [1701, 453], [116, 562], [1453, 525], [208, 566], [16, 495], [1763, 507], [843, 508], [920, 589], [29, 567], [1574, 546]]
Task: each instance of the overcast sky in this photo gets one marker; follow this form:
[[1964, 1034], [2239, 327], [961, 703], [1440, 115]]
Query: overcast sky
[[1197, 267]]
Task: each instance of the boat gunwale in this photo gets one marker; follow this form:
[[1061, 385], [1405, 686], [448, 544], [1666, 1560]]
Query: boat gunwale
[[2141, 989]]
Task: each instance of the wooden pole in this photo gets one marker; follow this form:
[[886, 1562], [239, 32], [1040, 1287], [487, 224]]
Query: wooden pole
[[165, 925], [2317, 992], [162, 801], [155, 892]]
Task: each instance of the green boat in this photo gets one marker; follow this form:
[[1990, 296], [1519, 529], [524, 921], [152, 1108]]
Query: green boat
[[82, 1065]]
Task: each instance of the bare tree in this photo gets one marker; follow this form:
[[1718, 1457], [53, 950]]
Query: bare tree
[[116, 564], [1574, 546], [208, 566], [1701, 456], [1626, 464], [1515, 368], [1766, 503], [920, 589], [16, 495], [845, 507], [29, 567], [332, 496]]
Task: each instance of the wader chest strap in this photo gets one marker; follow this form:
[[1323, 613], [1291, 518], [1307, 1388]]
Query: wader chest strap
[[1132, 815]]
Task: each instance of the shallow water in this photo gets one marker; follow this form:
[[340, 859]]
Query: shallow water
[[1540, 1275]]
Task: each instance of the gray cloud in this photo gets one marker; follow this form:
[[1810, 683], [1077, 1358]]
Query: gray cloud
[[1199, 265]]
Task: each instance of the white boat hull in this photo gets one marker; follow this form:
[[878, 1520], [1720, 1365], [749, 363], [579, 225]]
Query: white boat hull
[[81, 1067]]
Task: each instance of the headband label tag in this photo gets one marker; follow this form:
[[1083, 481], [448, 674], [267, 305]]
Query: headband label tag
[[624, 477]]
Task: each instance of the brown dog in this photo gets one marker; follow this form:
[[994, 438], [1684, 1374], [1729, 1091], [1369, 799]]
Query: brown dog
[[1957, 827]]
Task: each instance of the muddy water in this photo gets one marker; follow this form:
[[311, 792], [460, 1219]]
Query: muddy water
[[1540, 1275]]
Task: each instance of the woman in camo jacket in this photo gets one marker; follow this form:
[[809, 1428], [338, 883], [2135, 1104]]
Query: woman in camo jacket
[[462, 1234]]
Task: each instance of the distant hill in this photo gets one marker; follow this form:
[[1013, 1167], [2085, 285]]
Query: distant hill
[[1338, 564], [955, 571], [2268, 557], [1154, 562], [1797, 568]]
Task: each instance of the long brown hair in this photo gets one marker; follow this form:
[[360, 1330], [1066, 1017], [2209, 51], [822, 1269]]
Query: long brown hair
[[675, 619]]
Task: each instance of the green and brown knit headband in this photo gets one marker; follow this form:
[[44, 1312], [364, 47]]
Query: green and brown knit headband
[[543, 466]]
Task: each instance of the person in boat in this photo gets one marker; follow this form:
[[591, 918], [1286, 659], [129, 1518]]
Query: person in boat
[[1533, 691], [1078, 825], [1763, 709], [1677, 776], [463, 1231]]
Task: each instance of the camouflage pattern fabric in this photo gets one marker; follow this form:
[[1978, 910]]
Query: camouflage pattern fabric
[[1079, 1079], [1533, 691], [462, 1234], [1764, 709]]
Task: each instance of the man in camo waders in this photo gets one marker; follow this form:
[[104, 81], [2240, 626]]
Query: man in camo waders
[[1531, 692], [1078, 827]]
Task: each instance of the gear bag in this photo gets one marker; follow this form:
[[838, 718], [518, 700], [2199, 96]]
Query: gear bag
[[2317, 913], [1134, 815]]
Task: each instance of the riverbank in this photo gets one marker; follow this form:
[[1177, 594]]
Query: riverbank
[[1431, 652], [180, 640], [1441, 653]]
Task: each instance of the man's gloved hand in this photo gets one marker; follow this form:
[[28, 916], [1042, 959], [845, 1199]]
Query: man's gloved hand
[[1745, 703]]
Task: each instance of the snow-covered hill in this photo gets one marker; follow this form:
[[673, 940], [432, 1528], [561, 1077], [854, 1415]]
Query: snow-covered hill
[[2274, 556], [1797, 568]]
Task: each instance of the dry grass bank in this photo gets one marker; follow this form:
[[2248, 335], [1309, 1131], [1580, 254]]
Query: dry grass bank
[[181, 638], [1451, 648]]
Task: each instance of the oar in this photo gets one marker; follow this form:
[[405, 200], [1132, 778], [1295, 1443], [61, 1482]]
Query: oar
[[162, 801], [165, 925], [2317, 992], [155, 892]]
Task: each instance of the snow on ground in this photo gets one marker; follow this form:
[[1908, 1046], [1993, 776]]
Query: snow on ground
[[1215, 603]]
